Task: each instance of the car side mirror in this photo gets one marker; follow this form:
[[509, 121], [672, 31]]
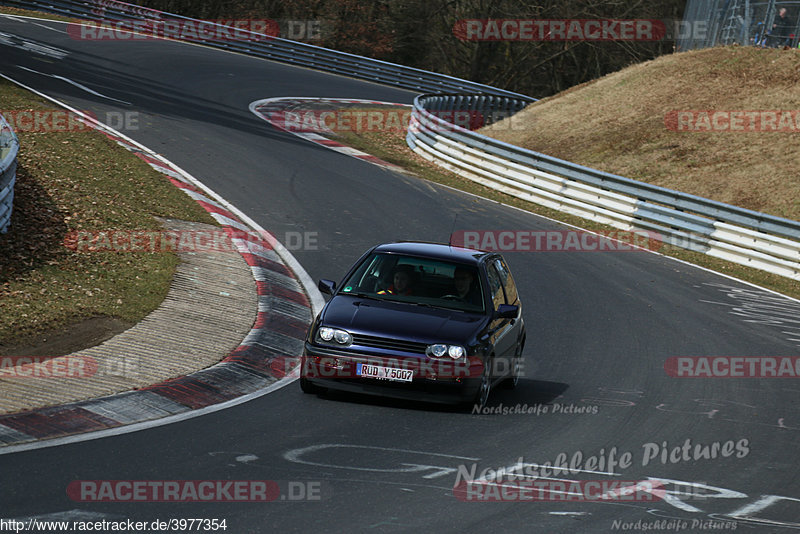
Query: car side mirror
[[327, 286], [506, 311]]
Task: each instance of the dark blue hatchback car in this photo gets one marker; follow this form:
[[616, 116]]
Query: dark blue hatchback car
[[419, 321]]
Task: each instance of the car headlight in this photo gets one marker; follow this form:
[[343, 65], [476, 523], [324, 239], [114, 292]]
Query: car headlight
[[455, 351], [438, 350], [327, 334], [342, 337]]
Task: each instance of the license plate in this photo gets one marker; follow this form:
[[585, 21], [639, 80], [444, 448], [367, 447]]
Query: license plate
[[384, 373]]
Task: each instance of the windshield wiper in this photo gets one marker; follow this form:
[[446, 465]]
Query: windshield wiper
[[363, 296], [426, 305]]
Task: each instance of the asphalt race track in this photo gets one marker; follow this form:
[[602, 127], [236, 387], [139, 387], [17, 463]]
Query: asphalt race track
[[600, 327]]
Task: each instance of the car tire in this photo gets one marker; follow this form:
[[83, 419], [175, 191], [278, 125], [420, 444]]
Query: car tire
[[512, 381], [485, 389], [309, 388]]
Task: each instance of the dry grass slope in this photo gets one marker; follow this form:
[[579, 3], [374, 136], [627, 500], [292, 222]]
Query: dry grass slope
[[617, 124], [73, 181]]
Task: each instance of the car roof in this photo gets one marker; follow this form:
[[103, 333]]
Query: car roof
[[438, 251]]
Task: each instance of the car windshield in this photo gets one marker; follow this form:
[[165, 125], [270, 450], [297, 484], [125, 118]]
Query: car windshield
[[419, 281]]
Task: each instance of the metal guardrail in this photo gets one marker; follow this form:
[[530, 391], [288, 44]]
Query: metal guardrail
[[736, 234], [275, 48], [9, 147]]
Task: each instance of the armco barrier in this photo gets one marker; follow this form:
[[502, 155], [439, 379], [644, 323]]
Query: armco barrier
[[9, 147], [743, 236], [275, 48]]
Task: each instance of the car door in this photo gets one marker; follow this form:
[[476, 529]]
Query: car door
[[512, 297], [503, 331]]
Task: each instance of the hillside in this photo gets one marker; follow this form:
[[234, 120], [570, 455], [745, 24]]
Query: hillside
[[647, 122]]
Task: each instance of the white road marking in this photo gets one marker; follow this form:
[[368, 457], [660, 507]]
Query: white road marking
[[759, 307], [76, 84], [25, 20], [513, 470], [295, 455], [746, 512], [31, 46], [69, 515]]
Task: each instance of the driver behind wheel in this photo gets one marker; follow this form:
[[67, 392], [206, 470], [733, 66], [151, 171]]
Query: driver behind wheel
[[465, 287], [402, 281]]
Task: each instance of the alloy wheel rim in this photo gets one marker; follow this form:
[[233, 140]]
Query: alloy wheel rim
[[485, 389]]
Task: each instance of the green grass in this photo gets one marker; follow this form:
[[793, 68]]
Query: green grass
[[72, 181]]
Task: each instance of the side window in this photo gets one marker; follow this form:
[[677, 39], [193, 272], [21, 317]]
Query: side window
[[495, 286], [508, 281]]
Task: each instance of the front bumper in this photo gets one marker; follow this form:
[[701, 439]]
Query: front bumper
[[433, 380]]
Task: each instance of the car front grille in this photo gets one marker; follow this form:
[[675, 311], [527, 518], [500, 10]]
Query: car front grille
[[389, 344]]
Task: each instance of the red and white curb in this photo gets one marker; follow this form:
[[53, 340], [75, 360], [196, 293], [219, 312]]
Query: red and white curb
[[266, 359], [268, 108]]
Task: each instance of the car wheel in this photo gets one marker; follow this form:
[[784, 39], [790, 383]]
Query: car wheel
[[308, 387], [512, 381], [482, 397]]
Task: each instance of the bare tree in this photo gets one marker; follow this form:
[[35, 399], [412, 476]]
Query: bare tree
[[425, 34]]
